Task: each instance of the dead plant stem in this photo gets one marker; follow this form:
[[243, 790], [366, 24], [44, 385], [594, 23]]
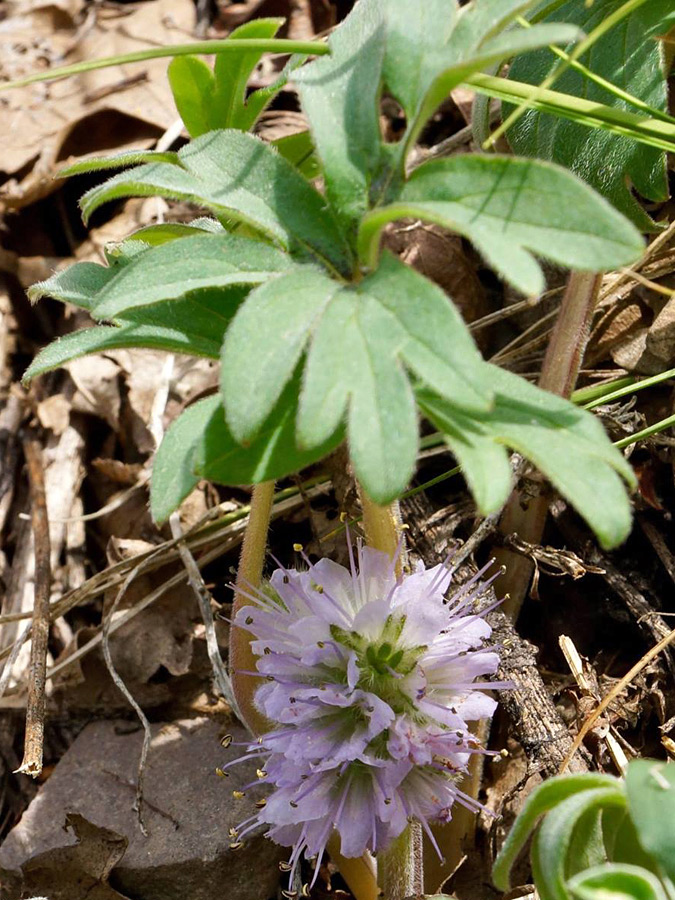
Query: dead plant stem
[[559, 375], [35, 708]]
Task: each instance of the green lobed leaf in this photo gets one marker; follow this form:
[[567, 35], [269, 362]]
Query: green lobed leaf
[[511, 209], [272, 454], [616, 882], [173, 476], [238, 177], [359, 340], [564, 442], [169, 271], [650, 786], [545, 797], [340, 95], [264, 344], [194, 325], [628, 56], [358, 352]]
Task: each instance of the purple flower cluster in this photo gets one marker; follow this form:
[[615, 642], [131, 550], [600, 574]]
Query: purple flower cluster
[[370, 683]]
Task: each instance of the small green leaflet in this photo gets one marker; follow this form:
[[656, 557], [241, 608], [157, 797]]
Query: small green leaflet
[[238, 177], [106, 337], [651, 800], [216, 98], [551, 849], [171, 270], [630, 57], [358, 342], [511, 209], [200, 445], [612, 881], [173, 475], [566, 443]]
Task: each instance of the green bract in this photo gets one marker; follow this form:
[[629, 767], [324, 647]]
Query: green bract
[[320, 334], [597, 837]]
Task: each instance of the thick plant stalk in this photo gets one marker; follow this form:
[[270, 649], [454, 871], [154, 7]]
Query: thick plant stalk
[[559, 373], [400, 867], [384, 529], [249, 575], [359, 873]]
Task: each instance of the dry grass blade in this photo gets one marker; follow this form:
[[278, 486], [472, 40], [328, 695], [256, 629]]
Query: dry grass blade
[[114, 674], [614, 693], [218, 537], [197, 584]]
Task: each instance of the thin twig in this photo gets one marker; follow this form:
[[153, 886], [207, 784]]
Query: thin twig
[[472, 543], [35, 706], [13, 656], [203, 596]]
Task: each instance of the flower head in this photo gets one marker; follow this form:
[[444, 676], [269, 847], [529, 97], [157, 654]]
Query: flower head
[[370, 682]]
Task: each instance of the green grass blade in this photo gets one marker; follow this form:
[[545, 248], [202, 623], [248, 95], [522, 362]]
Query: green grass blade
[[647, 130], [228, 45]]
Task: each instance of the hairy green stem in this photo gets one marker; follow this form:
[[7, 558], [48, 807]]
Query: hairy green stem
[[384, 529], [400, 867], [249, 576]]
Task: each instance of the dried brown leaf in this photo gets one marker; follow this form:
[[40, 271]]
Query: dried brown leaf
[[106, 110]]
